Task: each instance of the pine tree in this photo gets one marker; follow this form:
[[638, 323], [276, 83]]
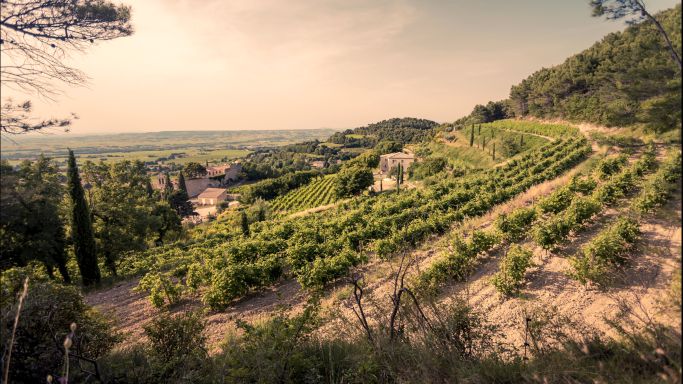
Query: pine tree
[[81, 227], [181, 182], [245, 224], [472, 136]]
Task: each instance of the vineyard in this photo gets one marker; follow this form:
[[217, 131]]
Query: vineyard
[[319, 248], [551, 222], [314, 194]]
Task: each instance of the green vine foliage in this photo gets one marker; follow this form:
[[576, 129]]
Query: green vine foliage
[[512, 269]]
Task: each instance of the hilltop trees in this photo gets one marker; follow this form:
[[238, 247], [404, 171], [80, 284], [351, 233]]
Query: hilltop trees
[[626, 79], [636, 12], [81, 226]]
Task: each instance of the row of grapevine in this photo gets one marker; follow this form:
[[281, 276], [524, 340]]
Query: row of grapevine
[[457, 264], [610, 249], [582, 208], [543, 129], [321, 247], [314, 194]]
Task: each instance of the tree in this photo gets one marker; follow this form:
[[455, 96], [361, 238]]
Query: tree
[[31, 227], [81, 227], [36, 37], [181, 182], [636, 12], [180, 202], [244, 222], [165, 220], [472, 136], [122, 210], [494, 151], [352, 180], [194, 170], [148, 188], [168, 186]]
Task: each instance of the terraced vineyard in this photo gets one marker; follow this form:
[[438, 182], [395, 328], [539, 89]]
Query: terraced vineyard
[[319, 248], [551, 221], [314, 194]]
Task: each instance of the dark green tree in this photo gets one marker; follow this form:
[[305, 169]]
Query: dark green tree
[[494, 151], [31, 227], [181, 182], [244, 222], [472, 136], [165, 220], [180, 202], [636, 12], [148, 188], [168, 186], [352, 180], [81, 227], [194, 170]]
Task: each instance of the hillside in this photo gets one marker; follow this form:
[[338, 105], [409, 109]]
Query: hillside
[[626, 79], [527, 245]]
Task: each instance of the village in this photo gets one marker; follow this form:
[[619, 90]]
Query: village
[[208, 190]]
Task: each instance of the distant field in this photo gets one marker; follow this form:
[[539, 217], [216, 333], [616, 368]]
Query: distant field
[[198, 146]]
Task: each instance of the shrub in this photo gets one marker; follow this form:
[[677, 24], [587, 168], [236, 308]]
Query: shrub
[[606, 251], [46, 315], [162, 290], [511, 271], [177, 344], [515, 225]]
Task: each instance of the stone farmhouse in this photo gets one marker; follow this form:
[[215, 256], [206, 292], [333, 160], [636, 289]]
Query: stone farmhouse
[[391, 160], [212, 196], [216, 176]]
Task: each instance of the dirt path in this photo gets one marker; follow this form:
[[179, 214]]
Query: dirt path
[[131, 310]]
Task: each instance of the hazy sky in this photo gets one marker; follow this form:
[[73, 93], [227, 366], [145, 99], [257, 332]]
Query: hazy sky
[[290, 64]]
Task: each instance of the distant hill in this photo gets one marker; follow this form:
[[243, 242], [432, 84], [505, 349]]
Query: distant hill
[[401, 130], [626, 79], [55, 145]]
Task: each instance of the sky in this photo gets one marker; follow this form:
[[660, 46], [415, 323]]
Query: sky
[[303, 64]]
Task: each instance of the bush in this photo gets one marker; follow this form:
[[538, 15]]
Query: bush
[[47, 313], [515, 225], [606, 251], [511, 271], [162, 290]]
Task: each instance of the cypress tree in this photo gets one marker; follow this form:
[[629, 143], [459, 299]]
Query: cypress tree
[[479, 130], [245, 224], [472, 136], [168, 185], [181, 183], [148, 188], [400, 174], [483, 143], [521, 140], [494, 151], [81, 227]]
